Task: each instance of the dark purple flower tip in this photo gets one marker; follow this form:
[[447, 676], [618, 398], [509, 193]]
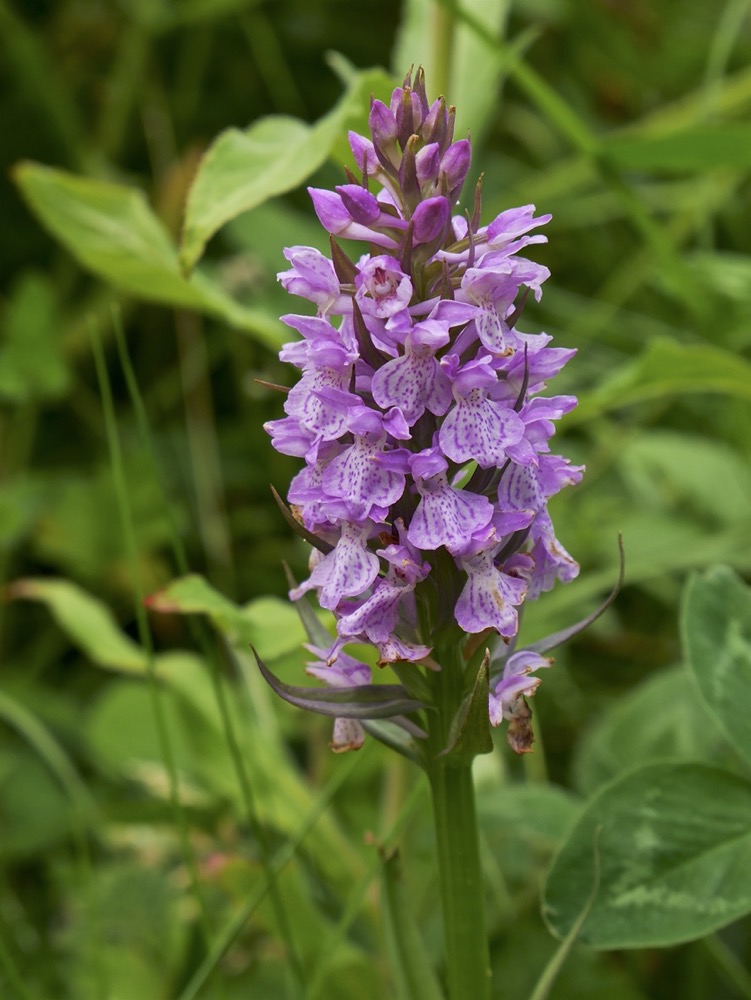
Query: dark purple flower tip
[[435, 127], [455, 165], [363, 152], [362, 206], [419, 90], [427, 163], [408, 182], [408, 112], [430, 219], [382, 124]]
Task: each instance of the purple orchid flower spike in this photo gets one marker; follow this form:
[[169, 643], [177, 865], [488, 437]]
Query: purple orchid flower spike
[[425, 427]]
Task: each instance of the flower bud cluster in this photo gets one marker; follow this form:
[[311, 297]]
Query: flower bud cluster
[[420, 413]]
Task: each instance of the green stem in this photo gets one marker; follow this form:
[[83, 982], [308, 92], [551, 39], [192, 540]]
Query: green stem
[[444, 28], [460, 872]]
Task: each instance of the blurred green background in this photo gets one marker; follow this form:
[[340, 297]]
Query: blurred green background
[[147, 779]]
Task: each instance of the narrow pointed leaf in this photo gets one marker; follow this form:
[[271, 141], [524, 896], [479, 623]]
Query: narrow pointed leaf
[[299, 529], [368, 701], [558, 638], [470, 728], [392, 736], [314, 630]]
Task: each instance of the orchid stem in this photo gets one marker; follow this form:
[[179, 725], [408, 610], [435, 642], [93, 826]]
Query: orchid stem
[[460, 872]]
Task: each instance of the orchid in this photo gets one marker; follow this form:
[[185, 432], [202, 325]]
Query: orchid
[[421, 412]]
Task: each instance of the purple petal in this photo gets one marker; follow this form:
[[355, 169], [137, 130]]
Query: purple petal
[[430, 219], [489, 597], [358, 477], [347, 571], [477, 428], [446, 516], [362, 206], [414, 383]]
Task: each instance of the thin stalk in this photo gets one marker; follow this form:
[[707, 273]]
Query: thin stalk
[[459, 868], [209, 654], [144, 633], [444, 29]]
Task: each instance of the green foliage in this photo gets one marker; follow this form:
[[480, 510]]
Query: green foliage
[[244, 169], [110, 230], [169, 827], [717, 634], [669, 870]]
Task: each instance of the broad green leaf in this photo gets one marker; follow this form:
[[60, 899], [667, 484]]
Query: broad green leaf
[[716, 628], [523, 826], [269, 623], [31, 365], [123, 749], [674, 847], [701, 147], [665, 369], [112, 232], [34, 809], [244, 168], [729, 273], [665, 469], [87, 621], [660, 719], [127, 929]]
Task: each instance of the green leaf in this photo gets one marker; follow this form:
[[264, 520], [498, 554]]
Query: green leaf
[[267, 622], [666, 469], [729, 273], [674, 848], [86, 621], [523, 826], [701, 147], [470, 727], [662, 718], [112, 232], [34, 810], [244, 168], [31, 364], [126, 929], [366, 701], [716, 628], [667, 368]]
